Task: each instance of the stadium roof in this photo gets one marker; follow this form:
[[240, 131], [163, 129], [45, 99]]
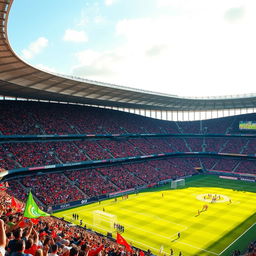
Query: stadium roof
[[19, 79]]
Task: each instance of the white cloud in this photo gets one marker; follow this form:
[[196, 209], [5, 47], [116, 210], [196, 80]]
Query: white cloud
[[96, 65], [99, 19], [110, 2], [234, 14], [196, 54], [72, 35], [82, 22], [34, 48]]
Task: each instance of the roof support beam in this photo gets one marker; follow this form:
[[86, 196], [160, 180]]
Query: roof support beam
[[9, 63], [13, 69], [69, 87], [20, 76], [7, 57], [52, 85], [40, 81]]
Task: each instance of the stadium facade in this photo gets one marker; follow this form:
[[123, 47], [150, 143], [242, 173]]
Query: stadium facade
[[72, 155], [19, 80]]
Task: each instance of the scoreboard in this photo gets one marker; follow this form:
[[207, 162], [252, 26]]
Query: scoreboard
[[247, 125]]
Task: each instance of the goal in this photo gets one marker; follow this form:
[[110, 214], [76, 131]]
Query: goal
[[178, 183], [104, 221]]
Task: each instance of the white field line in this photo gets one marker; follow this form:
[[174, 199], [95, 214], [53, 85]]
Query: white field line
[[147, 231], [148, 246], [155, 216], [184, 227], [237, 238], [131, 240], [111, 203], [94, 206], [134, 227], [196, 247]]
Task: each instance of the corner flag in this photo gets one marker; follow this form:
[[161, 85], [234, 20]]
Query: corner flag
[[32, 210]]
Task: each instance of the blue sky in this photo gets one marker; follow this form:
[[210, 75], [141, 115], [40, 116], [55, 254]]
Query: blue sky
[[181, 47]]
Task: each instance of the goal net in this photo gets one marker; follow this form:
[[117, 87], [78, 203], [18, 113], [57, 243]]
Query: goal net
[[104, 221], [178, 183]]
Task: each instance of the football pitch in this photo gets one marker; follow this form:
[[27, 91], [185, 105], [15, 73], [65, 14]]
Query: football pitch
[[152, 219]]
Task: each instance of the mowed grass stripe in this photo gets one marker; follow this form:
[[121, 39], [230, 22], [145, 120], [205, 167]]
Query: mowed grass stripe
[[152, 221], [233, 234]]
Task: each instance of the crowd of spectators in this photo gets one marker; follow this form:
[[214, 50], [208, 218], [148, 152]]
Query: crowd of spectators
[[48, 118], [214, 144], [52, 189], [91, 182], [69, 152], [144, 146], [250, 146], [6, 160], [246, 167], [178, 144], [44, 118], [27, 154], [49, 236], [170, 169], [226, 164], [93, 150], [208, 163], [121, 177], [195, 144], [60, 188], [190, 127], [251, 251], [119, 148], [160, 145], [31, 154], [234, 145]]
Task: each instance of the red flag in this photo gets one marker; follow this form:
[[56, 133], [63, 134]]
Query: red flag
[[54, 234], [22, 224], [34, 221], [121, 240], [16, 205], [43, 234], [95, 252], [142, 253]]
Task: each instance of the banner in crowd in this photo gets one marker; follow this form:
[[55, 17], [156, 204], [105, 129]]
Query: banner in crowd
[[32, 210]]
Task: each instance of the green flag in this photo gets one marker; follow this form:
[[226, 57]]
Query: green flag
[[32, 210]]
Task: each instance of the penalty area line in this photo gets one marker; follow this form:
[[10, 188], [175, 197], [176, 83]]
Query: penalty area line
[[148, 246], [237, 238]]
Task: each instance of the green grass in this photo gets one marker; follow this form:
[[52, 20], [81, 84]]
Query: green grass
[[152, 221]]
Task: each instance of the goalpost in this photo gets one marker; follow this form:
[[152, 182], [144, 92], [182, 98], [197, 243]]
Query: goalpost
[[104, 221], [178, 183]]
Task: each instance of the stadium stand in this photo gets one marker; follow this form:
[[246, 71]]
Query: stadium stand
[[50, 235], [36, 118], [56, 185], [72, 185], [91, 182]]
